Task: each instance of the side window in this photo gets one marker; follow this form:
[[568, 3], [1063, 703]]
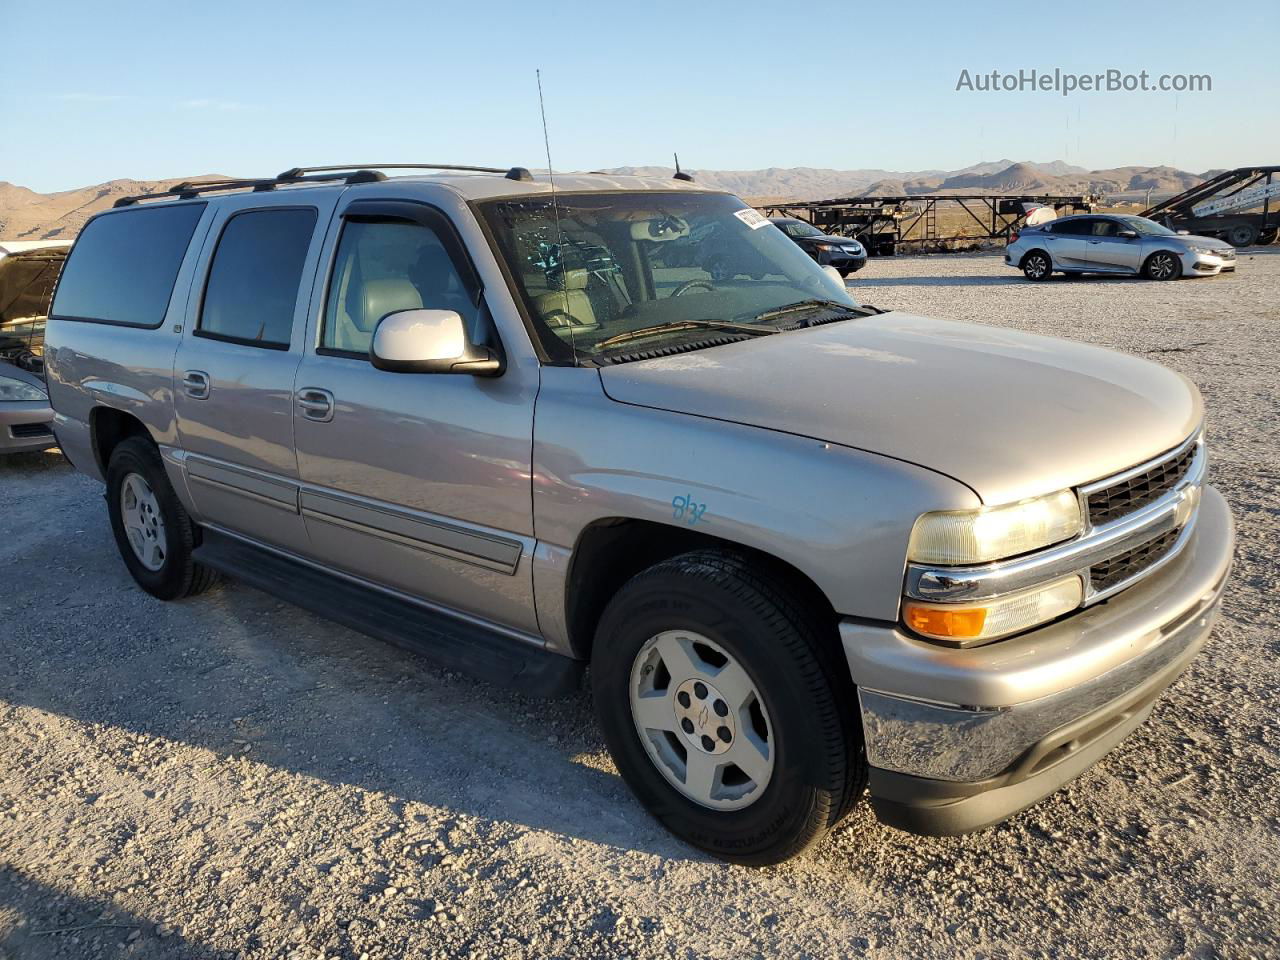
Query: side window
[[1078, 228], [1105, 228], [383, 266], [124, 265], [254, 279]]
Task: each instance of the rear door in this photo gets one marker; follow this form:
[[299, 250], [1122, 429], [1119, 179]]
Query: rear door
[[234, 370], [1066, 242], [416, 481], [1110, 252]]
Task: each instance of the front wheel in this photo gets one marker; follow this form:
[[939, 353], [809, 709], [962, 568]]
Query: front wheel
[[727, 713], [1036, 265], [1162, 265], [153, 531]]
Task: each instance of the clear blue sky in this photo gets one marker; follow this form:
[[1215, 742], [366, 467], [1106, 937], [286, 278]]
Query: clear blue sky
[[95, 91]]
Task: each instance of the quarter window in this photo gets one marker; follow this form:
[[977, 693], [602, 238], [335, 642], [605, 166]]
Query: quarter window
[[124, 266], [255, 276], [384, 266]]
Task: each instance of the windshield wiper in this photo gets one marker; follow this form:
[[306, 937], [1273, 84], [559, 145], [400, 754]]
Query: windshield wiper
[[752, 329], [806, 305]]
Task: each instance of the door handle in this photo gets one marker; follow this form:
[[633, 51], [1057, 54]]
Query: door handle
[[316, 404], [1095, 241], [195, 383]]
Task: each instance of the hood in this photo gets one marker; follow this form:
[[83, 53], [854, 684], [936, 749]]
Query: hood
[[1215, 242], [826, 238], [1009, 414]]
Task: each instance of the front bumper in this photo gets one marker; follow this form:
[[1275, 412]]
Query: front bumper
[[26, 426], [960, 739], [843, 262], [1200, 264]]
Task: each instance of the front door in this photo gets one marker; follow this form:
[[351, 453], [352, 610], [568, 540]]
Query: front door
[[415, 481], [234, 370], [1108, 251]]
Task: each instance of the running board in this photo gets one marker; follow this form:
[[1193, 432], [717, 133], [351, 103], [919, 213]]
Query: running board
[[448, 641]]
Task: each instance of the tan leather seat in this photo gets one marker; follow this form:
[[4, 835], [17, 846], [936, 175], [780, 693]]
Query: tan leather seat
[[568, 309], [377, 299]]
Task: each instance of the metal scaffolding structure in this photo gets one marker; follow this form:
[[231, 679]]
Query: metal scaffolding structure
[[885, 223]]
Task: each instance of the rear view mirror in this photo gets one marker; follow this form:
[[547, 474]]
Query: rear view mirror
[[429, 341]]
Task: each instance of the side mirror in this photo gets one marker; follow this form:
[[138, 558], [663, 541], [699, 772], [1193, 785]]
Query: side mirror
[[1184, 233], [1127, 234], [429, 341]]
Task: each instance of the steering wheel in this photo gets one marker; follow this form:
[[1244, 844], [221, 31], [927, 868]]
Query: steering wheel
[[693, 285]]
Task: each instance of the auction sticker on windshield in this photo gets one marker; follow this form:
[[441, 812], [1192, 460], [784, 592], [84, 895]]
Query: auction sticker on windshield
[[752, 218]]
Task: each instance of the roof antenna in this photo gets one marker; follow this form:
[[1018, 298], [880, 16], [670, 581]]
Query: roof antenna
[[555, 206], [679, 175]]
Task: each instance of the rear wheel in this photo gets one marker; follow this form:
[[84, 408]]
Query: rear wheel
[[725, 710], [153, 531], [1267, 237], [1242, 235], [1036, 265], [1162, 265]]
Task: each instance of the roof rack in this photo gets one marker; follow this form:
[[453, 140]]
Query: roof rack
[[346, 173]]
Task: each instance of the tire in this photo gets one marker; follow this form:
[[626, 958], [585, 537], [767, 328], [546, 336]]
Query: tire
[[716, 607], [1036, 265], [139, 488], [1162, 265], [1242, 235]]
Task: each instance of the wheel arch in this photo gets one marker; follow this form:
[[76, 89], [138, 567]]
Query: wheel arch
[[610, 551], [1023, 259], [108, 427]]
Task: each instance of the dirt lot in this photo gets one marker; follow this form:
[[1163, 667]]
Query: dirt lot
[[230, 776]]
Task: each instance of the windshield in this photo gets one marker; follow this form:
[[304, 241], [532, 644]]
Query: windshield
[[622, 262], [798, 228], [1149, 227]]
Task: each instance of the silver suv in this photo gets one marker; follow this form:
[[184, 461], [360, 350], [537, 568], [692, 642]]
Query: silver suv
[[803, 544], [1133, 246]]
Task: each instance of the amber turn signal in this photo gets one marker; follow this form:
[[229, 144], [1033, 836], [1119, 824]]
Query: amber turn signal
[[962, 623]]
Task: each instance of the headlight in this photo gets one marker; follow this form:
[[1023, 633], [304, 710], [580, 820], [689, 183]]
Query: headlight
[[955, 537], [11, 389], [963, 625], [825, 247]]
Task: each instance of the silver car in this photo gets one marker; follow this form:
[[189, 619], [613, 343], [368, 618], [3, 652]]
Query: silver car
[[1132, 246], [25, 414], [805, 546]]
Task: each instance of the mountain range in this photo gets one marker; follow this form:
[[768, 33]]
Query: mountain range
[[26, 214]]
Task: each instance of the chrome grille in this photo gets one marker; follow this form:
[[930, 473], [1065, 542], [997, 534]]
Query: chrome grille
[[1118, 569], [1133, 493]]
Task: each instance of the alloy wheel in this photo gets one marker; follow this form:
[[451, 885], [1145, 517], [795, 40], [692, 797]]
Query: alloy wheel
[[702, 720], [1162, 266], [143, 524]]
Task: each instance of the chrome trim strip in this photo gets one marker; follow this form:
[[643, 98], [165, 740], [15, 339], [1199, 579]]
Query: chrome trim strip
[[531, 639], [248, 483], [1095, 596], [1195, 438], [1169, 512], [413, 530]]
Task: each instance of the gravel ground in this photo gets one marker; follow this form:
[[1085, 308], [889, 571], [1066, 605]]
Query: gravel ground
[[230, 776]]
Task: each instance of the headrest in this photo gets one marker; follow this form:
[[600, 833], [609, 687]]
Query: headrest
[[381, 297], [572, 279]]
